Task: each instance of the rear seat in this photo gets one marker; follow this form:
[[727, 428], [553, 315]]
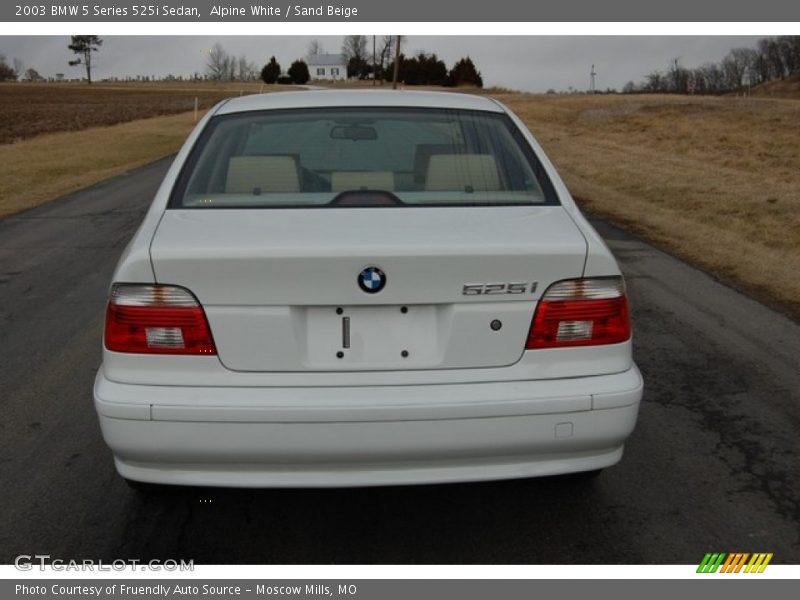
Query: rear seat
[[262, 174], [460, 172]]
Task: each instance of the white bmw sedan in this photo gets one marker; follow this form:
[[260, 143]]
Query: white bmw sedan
[[364, 288]]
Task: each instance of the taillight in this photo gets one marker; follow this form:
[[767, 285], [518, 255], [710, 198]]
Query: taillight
[[156, 319], [581, 312]]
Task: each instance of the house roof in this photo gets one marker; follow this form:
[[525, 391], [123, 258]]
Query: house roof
[[326, 60]]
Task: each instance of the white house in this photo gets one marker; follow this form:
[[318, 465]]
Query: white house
[[327, 66]]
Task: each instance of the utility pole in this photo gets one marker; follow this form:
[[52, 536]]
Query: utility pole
[[396, 61], [374, 64], [592, 75]]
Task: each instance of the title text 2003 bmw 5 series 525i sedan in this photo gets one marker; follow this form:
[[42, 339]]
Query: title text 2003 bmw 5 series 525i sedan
[[364, 288]]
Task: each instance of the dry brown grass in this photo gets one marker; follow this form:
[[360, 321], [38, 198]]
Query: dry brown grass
[[48, 166], [780, 88], [716, 181]]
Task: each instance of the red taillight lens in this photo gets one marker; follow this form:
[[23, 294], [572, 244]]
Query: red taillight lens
[[581, 312], [156, 319]]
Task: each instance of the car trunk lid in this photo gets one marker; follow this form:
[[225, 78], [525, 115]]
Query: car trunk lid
[[281, 286]]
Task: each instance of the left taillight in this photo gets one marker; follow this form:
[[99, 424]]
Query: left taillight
[[156, 319]]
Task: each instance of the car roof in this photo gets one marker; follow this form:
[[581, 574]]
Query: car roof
[[358, 98]]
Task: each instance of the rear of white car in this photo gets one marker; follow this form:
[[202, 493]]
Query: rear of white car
[[364, 288]]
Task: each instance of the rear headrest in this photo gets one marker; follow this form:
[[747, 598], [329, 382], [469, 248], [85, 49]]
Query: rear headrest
[[423, 153], [257, 174], [362, 180], [459, 172]]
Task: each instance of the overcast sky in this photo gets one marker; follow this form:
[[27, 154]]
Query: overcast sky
[[523, 62]]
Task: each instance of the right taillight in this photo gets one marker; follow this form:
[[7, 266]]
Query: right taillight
[[156, 319], [581, 312]]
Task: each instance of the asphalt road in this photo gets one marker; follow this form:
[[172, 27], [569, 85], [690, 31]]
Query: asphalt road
[[713, 463]]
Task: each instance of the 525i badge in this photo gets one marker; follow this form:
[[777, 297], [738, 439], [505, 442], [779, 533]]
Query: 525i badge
[[477, 289]]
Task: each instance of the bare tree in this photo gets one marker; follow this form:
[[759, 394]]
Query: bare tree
[[83, 46], [355, 46], [770, 50], [385, 52], [713, 78], [758, 70], [19, 66], [220, 65], [246, 70], [32, 75], [6, 72], [790, 50], [735, 65], [654, 82], [678, 78], [354, 49], [315, 47], [771, 59]]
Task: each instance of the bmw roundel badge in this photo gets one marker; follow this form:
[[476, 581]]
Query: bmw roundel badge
[[372, 280]]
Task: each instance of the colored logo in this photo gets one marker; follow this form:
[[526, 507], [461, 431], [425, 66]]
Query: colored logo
[[735, 562], [372, 280]]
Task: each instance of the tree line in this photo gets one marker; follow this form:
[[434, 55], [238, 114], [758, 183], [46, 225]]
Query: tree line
[[428, 69], [772, 59], [17, 71], [82, 46], [222, 66], [420, 69]]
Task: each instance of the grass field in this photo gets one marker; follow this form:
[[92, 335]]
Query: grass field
[[788, 87], [56, 138], [28, 110], [713, 180], [48, 166]]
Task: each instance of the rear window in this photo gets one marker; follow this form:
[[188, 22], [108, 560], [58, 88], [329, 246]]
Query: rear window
[[361, 157]]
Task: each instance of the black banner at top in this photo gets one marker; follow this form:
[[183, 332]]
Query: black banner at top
[[405, 11]]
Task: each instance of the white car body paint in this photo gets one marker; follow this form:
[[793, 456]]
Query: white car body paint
[[276, 407]]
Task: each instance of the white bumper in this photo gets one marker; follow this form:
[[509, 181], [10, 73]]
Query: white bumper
[[351, 436]]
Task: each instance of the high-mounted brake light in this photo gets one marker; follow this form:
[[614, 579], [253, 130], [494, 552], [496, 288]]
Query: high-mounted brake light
[[581, 312], [156, 319]]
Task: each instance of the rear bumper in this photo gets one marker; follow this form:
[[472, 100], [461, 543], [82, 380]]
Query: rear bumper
[[350, 436]]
